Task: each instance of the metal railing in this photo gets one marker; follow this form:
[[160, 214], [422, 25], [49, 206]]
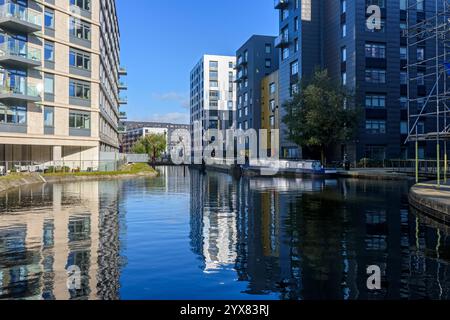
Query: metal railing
[[20, 12], [20, 49], [63, 166]]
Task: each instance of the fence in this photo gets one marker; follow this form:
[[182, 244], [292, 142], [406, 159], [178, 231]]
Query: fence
[[59, 166]]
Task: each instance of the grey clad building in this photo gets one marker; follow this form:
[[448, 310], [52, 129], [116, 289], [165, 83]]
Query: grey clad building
[[371, 62], [256, 59]]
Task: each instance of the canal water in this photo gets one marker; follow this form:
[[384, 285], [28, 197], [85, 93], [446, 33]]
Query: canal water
[[185, 235]]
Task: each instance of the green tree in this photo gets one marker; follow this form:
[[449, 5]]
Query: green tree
[[153, 144], [321, 115]]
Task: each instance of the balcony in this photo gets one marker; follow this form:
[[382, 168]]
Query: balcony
[[20, 18], [16, 92], [281, 4], [123, 71], [123, 100], [282, 41], [123, 116], [123, 86], [17, 54]]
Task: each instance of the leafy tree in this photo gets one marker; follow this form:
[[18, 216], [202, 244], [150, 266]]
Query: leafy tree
[[321, 115], [153, 144]]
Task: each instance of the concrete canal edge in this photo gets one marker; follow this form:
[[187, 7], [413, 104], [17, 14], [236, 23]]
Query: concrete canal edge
[[431, 200], [17, 181]]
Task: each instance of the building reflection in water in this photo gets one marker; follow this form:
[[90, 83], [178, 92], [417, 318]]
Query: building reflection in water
[[60, 226], [314, 239]]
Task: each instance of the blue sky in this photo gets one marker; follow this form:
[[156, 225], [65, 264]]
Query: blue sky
[[162, 40]]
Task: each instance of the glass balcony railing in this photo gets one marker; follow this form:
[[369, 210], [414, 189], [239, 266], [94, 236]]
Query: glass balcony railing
[[123, 100], [20, 49], [19, 86], [21, 13]]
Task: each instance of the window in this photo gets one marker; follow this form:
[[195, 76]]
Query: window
[[79, 89], [376, 76], [214, 65], [403, 53], [80, 29], [49, 19], [420, 5], [272, 121], [80, 59], [213, 75], [294, 68], [230, 65], [268, 48], [296, 25], [13, 114], [403, 102], [294, 89], [403, 4], [214, 95], [285, 53], [49, 84], [343, 6], [344, 78], [49, 117], [403, 78], [284, 14], [420, 54], [49, 51], [214, 84], [343, 30], [272, 88], [404, 127], [376, 126], [79, 121], [82, 4], [268, 63], [272, 105], [375, 50], [296, 47], [344, 54], [374, 101], [380, 3]]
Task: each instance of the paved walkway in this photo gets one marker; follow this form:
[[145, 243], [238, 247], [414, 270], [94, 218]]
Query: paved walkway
[[374, 174], [433, 200]]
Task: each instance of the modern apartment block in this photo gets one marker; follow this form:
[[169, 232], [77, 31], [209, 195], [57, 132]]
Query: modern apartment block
[[371, 62], [213, 94], [59, 82], [138, 130], [256, 59], [270, 111]]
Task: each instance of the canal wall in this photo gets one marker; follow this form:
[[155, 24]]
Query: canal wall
[[75, 178], [431, 200], [16, 181]]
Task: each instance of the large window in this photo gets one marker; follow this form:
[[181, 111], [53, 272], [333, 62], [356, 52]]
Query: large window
[[82, 4], [294, 68], [272, 88], [13, 114], [49, 19], [376, 126], [80, 89], [375, 101], [79, 120], [80, 59], [49, 84], [375, 50], [376, 76], [80, 29]]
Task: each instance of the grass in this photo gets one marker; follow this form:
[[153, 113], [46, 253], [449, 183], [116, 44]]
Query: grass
[[138, 168], [12, 177]]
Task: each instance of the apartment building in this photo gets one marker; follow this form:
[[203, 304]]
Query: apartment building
[[270, 111], [213, 94], [59, 80], [256, 59], [137, 130], [369, 61]]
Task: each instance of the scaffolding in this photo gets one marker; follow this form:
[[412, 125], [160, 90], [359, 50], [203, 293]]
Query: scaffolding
[[428, 116]]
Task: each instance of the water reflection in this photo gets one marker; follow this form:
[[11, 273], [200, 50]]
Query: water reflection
[[306, 239], [46, 229], [186, 235]]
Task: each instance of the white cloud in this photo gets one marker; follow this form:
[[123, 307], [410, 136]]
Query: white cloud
[[180, 98], [173, 117]]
